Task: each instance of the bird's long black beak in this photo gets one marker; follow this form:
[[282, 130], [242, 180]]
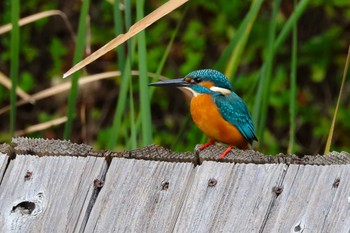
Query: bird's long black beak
[[178, 82]]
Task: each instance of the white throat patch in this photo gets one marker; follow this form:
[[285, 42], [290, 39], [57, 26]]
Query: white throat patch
[[223, 91], [194, 93]]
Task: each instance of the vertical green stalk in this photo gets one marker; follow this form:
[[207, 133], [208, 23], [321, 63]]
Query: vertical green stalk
[[237, 52], [293, 88], [14, 69], [131, 137], [78, 56], [300, 8], [163, 60], [248, 20], [133, 134], [266, 74], [143, 81], [124, 85], [118, 28], [128, 25], [120, 108], [260, 108]]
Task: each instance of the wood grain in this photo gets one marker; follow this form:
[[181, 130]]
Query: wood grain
[[314, 199], [6, 153], [238, 202], [48, 194], [51, 186], [140, 196], [3, 163]]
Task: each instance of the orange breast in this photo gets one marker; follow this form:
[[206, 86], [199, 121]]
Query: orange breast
[[207, 117]]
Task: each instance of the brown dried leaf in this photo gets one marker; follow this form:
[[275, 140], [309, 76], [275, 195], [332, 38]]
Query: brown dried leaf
[[160, 12], [36, 17]]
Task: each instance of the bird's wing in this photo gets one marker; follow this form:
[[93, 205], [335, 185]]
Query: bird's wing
[[234, 110]]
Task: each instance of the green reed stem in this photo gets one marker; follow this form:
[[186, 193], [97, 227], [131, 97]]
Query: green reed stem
[[78, 56], [14, 67], [293, 88]]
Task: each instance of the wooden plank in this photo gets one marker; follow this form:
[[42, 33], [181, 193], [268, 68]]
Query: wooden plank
[[238, 202], [313, 200], [140, 196], [338, 217], [48, 194]]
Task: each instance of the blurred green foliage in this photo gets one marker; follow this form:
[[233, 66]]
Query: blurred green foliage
[[47, 49]]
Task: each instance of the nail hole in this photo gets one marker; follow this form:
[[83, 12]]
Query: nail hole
[[165, 185], [297, 228], [212, 182], [336, 183], [28, 175], [98, 184], [25, 207], [277, 190]]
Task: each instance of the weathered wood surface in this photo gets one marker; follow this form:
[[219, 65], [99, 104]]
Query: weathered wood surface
[[314, 199], [229, 197], [3, 162], [48, 194], [4, 157], [140, 196], [156, 190]]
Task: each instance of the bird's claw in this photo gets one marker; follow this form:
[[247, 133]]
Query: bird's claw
[[199, 148], [226, 152], [211, 142]]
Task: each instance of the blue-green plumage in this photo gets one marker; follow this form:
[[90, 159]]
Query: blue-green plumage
[[234, 110]]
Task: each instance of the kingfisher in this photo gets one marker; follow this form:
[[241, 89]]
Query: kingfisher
[[216, 109]]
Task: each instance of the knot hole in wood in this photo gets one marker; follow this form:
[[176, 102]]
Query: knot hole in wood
[[24, 207]]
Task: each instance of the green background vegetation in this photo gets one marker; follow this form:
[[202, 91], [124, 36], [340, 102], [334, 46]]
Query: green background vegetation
[[288, 74]]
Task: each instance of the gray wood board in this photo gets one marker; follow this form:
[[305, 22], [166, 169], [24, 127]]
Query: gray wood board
[[3, 163], [239, 202], [313, 200], [48, 194], [140, 196]]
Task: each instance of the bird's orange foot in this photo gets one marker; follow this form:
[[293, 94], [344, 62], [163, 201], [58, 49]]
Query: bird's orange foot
[[225, 152], [211, 142]]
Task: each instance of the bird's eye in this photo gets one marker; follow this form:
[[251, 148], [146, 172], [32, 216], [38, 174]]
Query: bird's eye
[[189, 80], [193, 80], [197, 80]]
